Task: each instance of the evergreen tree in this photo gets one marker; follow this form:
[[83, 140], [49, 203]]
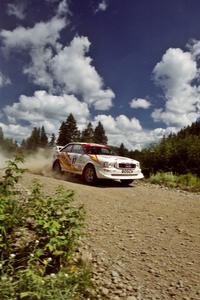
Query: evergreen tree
[[99, 135], [122, 151], [178, 153], [1, 135], [43, 138], [62, 133], [52, 140], [68, 131], [34, 140], [88, 134], [8, 145]]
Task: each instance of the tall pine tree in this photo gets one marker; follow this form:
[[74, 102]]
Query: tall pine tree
[[52, 140], [62, 133], [43, 138], [122, 151], [99, 135], [1, 136], [88, 134], [68, 131], [38, 138], [34, 140]]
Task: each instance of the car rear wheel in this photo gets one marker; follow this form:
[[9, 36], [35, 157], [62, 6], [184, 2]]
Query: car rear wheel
[[57, 168], [126, 182], [89, 175]]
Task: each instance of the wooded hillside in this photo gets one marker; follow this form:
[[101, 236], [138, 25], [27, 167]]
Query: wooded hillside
[[178, 153]]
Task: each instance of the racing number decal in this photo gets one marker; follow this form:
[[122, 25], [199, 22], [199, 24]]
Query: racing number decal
[[74, 160], [67, 162]]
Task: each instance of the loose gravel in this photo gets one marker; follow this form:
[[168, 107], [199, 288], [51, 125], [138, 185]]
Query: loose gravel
[[143, 241]]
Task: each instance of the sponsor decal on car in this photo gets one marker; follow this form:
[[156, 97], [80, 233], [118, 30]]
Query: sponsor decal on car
[[94, 157]]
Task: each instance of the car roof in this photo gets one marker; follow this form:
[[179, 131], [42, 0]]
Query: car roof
[[84, 144]]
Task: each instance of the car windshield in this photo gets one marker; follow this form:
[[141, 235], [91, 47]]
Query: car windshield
[[99, 150]]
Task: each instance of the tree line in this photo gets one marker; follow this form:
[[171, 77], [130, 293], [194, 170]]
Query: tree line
[[68, 132], [6, 144], [178, 153]]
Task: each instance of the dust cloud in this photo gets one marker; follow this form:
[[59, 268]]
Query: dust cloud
[[3, 160], [39, 162]]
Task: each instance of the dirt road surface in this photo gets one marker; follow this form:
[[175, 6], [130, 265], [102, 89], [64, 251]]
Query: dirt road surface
[[144, 239]]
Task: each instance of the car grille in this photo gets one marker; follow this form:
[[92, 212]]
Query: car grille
[[121, 175], [126, 166]]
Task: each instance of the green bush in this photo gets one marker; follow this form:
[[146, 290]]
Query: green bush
[[39, 237], [187, 182]]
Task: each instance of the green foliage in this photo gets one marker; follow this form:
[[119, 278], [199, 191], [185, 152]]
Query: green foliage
[[68, 131], [12, 174], [122, 151], [178, 153], [88, 134], [38, 138], [7, 145], [99, 135], [39, 237], [188, 181], [52, 141], [43, 138]]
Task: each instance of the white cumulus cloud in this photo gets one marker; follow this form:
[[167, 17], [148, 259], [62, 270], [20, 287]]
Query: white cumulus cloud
[[176, 74], [74, 71], [129, 131], [40, 35], [16, 9], [140, 103], [63, 8], [15, 131], [59, 69], [103, 5], [4, 80], [40, 41], [46, 109]]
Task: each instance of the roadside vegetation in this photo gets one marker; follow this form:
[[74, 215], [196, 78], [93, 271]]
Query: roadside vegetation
[[39, 239], [177, 153], [187, 182]]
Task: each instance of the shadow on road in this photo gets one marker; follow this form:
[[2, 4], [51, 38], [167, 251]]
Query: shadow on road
[[101, 183]]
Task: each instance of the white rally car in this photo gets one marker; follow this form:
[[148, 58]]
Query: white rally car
[[93, 161]]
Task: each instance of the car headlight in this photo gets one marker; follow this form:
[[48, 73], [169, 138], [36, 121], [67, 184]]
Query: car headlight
[[106, 164]]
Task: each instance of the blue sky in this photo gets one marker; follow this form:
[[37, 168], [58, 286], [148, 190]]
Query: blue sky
[[133, 65]]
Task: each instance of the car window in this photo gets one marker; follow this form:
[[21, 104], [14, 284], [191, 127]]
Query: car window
[[67, 148], [77, 149], [98, 150], [106, 151]]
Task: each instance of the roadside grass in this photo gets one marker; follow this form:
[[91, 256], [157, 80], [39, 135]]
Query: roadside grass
[[187, 182], [39, 242]]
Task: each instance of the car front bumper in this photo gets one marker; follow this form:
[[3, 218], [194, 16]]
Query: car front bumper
[[117, 174]]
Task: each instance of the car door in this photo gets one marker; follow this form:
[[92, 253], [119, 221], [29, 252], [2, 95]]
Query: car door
[[76, 157], [65, 158]]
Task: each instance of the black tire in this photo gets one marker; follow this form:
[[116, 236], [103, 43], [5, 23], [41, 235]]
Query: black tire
[[57, 168], [126, 182], [89, 175]]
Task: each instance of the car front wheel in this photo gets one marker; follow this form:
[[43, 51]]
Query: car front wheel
[[89, 175]]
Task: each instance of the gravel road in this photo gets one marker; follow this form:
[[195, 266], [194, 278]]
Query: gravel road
[[143, 240]]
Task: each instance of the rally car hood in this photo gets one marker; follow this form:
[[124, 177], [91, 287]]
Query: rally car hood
[[115, 158]]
